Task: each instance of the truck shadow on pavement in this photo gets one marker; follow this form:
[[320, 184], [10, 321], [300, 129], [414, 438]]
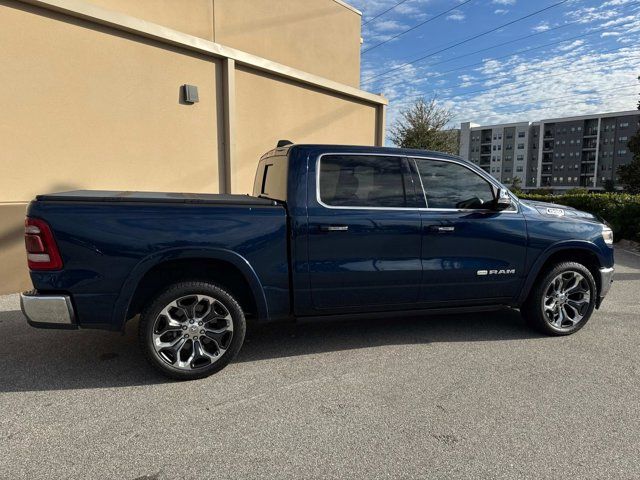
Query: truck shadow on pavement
[[40, 360]]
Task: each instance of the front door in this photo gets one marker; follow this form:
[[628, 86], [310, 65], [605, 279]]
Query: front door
[[470, 252], [364, 235]]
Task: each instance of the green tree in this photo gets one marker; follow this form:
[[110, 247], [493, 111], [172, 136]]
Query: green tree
[[516, 185], [630, 174], [423, 125]]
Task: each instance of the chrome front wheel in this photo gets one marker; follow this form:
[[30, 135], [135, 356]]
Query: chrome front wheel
[[567, 300], [561, 300]]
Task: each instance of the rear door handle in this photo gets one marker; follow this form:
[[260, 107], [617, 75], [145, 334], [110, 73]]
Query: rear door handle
[[441, 229], [334, 228]]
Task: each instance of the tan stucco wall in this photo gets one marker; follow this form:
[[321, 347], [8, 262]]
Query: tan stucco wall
[[269, 109], [14, 276], [97, 109], [194, 17], [316, 36]]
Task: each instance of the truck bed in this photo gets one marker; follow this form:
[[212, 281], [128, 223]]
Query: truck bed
[[153, 197]]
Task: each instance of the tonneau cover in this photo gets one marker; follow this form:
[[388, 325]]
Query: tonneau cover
[[153, 197]]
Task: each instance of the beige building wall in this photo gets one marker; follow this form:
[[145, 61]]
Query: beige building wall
[[317, 36], [194, 17], [269, 108], [91, 100]]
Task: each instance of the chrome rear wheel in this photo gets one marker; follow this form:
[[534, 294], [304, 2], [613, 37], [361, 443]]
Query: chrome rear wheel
[[192, 332]]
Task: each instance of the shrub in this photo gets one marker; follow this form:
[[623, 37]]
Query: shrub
[[620, 210]]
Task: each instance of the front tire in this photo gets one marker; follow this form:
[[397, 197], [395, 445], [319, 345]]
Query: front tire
[[562, 300], [191, 330]]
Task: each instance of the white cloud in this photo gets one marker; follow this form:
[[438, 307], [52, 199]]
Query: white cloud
[[571, 46], [456, 15], [541, 27], [389, 26], [500, 11], [504, 2]]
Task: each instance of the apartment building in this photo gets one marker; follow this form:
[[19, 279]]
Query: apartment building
[[500, 150], [560, 153]]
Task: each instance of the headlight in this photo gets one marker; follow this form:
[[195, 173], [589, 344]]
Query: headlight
[[607, 235]]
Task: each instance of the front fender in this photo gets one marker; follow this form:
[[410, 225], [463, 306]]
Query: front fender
[[537, 266], [130, 284]]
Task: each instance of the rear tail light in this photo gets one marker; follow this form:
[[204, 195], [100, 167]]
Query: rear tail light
[[42, 251]]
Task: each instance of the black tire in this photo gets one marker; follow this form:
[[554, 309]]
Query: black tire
[[177, 321], [560, 306]]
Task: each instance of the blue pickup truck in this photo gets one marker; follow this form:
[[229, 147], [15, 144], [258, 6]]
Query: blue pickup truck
[[329, 230]]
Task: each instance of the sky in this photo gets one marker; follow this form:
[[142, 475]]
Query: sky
[[578, 57]]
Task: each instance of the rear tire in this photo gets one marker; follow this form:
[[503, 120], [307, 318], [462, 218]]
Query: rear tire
[[191, 330], [562, 299]]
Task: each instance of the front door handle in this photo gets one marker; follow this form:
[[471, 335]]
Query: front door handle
[[442, 229], [334, 228]]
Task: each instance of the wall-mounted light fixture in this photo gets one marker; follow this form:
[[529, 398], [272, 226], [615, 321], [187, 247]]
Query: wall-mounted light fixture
[[190, 94]]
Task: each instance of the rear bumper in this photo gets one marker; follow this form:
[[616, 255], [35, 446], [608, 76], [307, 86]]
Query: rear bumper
[[606, 279], [48, 311]]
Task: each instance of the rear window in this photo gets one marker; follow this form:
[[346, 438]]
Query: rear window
[[273, 182]]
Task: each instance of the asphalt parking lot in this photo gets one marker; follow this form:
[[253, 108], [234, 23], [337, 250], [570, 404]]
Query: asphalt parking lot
[[461, 396]]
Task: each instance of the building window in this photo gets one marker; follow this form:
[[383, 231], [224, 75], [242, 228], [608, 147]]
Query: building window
[[520, 146], [521, 134], [579, 129], [519, 168], [622, 152], [624, 124], [520, 158], [624, 139]]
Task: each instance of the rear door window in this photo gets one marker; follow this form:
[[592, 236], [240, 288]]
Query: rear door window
[[362, 181]]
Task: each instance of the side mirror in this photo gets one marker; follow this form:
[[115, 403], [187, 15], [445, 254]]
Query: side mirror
[[503, 201]]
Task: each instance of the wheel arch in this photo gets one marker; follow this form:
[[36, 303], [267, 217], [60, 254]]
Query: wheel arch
[[583, 252], [223, 267]]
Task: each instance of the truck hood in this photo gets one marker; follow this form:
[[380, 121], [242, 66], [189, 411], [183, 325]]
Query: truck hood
[[555, 210]]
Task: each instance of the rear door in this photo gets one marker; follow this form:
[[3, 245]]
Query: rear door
[[470, 253], [364, 236]]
